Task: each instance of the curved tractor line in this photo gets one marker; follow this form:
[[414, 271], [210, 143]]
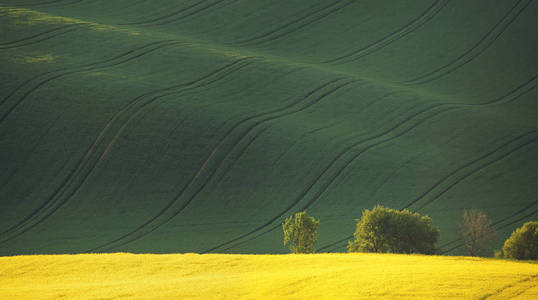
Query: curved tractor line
[[177, 15], [335, 243], [43, 36], [455, 172], [118, 60], [472, 172], [220, 74], [518, 212], [213, 153], [41, 3], [332, 177], [162, 218], [410, 27], [497, 228], [281, 27], [192, 13], [459, 239], [29, 81], [172, 14], [279, 31], [270, 118], [520, 291], [230, 161], [252, 127], [50, 3], [336, 248], [509, 97], [480, 47], [469, 174], [475, 170], [65, 182], [136, 101], [386, 134], [53, 203]]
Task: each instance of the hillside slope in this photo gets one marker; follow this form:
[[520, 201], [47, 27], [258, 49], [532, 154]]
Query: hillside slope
[[200, 125]]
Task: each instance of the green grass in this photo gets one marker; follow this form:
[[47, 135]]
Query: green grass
[[200, 125]]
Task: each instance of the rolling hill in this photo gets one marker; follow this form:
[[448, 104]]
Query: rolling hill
[[198, 126]]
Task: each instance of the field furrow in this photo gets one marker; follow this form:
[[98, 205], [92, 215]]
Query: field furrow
[[482, 45]]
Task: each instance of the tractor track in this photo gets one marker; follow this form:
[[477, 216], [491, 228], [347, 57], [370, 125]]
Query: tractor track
[[84, 168], [477, 169], [480, 47], [51, 3], [177, 15], [465, 166], [118, 60], [280, 32], [191, 184], [520, 211], [511, 96], [410, 27], [334, 176], [497, 228], [81, 67], [43, 36]]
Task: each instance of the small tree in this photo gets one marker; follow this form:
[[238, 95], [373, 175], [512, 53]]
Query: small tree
[[301, 233], [388, 230], [476, 232], [523, 243]]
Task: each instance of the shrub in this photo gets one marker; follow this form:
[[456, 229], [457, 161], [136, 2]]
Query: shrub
[[388, 230], [301, 233], [476, 232], [523, 243]]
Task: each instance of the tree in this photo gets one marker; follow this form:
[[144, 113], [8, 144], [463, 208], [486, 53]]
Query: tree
[[384, 229], [523, 243], [476, 232], [301, 233]]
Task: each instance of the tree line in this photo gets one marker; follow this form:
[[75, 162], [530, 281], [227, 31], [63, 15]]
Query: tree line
[[387, 230]]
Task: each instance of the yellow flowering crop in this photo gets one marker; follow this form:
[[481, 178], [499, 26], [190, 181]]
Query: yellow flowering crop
[[221, 276]]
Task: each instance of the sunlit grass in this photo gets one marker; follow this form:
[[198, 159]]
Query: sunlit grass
[[25, 16], [215, 276], [45, 58]]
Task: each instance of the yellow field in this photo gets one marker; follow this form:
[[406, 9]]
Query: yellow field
[[214, 276]]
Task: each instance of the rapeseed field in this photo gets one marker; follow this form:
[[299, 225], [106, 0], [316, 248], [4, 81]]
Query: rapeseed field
[[220, 276]]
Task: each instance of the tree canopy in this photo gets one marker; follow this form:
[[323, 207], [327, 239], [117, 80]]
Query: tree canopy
[[523, 243], [384, 229], [476, 232], [301, 233]]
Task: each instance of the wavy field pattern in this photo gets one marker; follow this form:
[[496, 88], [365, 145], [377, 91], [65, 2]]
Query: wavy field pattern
[[200, 125]]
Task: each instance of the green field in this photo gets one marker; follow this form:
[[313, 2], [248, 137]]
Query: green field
[[198, 126]]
